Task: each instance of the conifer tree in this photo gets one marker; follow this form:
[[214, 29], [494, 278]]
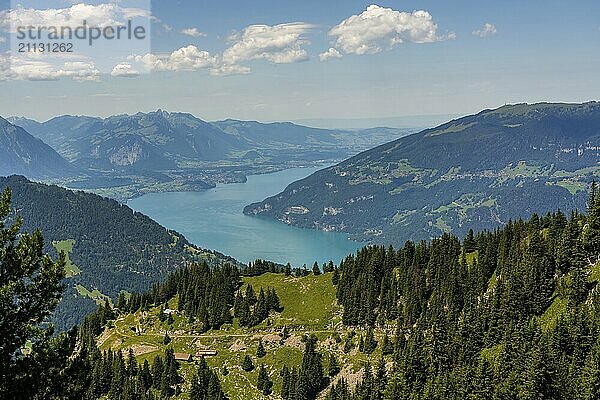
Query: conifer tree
[[260, 351], [247, 364], [30, 288]]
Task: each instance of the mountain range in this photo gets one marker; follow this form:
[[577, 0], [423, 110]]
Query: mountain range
[[21, 153], [127, 155], [473, 172]]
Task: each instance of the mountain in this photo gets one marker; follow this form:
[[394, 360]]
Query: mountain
[[473, 172], [505, 314], [292, 140], [161, 140], [111, 248], [154, 141], [21, 153], [124, 156]]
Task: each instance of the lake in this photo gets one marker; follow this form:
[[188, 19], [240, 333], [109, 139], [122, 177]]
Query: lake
[[213, 219]]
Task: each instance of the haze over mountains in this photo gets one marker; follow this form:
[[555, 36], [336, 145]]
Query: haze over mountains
[[127, 155], [473, 172], [22, 153]]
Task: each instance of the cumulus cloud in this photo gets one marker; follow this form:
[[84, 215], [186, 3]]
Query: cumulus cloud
[[486, 30], [193, 32], [380, 28], [124, 70], [35, 70], [278, 44], [100, 15], [188, 58], [329, 54]]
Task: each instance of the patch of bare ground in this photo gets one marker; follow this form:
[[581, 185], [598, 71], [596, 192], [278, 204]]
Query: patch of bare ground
[[139, 349], [295, 341], [238, 345]]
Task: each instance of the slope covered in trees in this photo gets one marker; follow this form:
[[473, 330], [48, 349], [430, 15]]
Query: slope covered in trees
[[476, 172], [115, 248], [517, 318], [504, 314]]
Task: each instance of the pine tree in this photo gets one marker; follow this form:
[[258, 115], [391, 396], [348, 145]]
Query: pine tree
[[250, 295], [264, 383], [166, 339], [260, 351], [315, 269], [469, 243], [387, 347], [30, 288], [334, 367], [369, 344], [247, 364], [335, 277], [285, 382]]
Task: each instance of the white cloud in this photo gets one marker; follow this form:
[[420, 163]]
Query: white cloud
[[188, 58], [486, 30], [224, 70], [2, 39], [329, 54], [378, 28], [193, 32], [107, 14], [167, 27], [35, 70], [278, 44], [5, 72], [124, 70]]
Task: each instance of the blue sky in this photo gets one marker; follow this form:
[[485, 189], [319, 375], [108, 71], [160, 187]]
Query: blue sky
[[530, 51]]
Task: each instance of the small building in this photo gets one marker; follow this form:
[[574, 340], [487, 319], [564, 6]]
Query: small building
[[183, 357], [206, 353]]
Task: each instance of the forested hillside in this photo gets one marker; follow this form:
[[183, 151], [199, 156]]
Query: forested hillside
[[475, 172], [504, 314], [507, 314], [110, 247]]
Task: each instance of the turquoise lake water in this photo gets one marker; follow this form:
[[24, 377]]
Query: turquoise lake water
[[213, 219]]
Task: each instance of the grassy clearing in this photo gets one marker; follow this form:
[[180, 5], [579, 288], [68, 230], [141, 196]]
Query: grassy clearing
[[492, 354], [95, 295], [572, 185], [308, 301], [66, 246], [553, 313], [309, 308]]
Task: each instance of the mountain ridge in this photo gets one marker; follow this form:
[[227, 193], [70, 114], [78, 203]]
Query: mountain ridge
[[481, 169], [22, 153]]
